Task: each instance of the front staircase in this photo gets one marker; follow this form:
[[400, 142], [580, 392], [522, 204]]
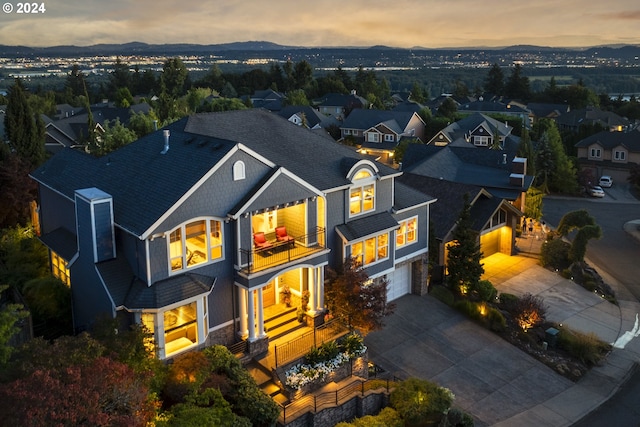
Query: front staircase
[[282, 323]]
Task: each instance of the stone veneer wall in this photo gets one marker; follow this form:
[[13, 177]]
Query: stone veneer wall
[[223, 336], [420, 275], [357, 406]]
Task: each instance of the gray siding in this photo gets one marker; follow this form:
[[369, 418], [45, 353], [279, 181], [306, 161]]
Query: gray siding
[[423, 239], [59, 211]]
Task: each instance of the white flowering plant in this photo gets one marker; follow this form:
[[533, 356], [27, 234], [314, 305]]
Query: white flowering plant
[[300, 375]]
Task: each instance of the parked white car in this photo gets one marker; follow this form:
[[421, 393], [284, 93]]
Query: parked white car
[[596, 191], [605, 181]]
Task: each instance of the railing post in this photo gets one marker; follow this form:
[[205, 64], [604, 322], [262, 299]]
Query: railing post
[[275, 354], [336, 397]]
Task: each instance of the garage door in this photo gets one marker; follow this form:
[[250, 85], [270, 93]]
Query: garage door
[[399, 282]]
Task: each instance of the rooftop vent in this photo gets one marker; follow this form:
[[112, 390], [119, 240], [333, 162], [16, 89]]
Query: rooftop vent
[[165, 133]]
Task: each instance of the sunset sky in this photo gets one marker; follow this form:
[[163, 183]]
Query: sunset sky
[[398, 23]]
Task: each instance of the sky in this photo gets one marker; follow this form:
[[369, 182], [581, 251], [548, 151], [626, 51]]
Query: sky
[[396, 23]]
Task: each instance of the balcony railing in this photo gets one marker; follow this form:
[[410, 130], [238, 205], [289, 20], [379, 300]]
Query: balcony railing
[[279, 253]]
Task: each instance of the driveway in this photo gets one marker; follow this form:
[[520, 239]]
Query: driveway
[[491, 379]]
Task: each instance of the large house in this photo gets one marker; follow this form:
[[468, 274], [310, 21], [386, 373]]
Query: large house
[[380, 131], [610, 153], [479, 130], [197, 229]]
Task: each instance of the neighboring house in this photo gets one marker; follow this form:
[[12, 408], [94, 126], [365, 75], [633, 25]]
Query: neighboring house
[[610, 153], [408, 106], [495, 107], [592, 116], [340, 105], [479, 130], [380, 131], [304, 115], [73, 130], [547, 111], [501, 173], [195, 230], [494, 218], [268, 99]]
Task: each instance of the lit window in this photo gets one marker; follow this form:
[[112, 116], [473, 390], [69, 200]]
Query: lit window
[[180, 328], [195, 243], [362, 197], [60, 268], [371, 250], [407, 234]]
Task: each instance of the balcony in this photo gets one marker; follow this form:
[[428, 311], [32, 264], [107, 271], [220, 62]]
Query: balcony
[[280, 253]]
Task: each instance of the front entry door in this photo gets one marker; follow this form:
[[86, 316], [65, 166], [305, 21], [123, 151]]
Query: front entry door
[[269, 294]]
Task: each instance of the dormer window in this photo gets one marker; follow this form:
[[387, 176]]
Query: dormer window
[[362, 194], [195, 243]]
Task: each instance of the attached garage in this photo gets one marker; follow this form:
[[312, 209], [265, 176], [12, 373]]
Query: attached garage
[[494, 241], [399, 282]]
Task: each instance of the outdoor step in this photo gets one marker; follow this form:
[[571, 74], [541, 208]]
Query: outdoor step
[[270, 388], [280, 320], [260, 373], [281, 314], [285, 329]]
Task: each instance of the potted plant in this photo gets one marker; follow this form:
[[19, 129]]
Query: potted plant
[[285, 294], [305, 300], [300, 314]]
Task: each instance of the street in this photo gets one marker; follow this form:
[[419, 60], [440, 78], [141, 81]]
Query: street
[[617, 254]]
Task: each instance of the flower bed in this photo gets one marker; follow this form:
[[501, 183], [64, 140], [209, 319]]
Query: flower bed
[[329, 362]]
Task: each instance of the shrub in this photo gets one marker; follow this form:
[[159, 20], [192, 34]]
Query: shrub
[[486, 291], [388, 417], [587, 348], [555, 254], [529, 311], [456, 417], [468, 308], [590, 285], [566, 273], [353, 344], [443, 294], [419, 401], [508, 301], [495, 320]]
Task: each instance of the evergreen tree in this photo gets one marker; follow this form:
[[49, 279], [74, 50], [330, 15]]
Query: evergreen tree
[[562, 177], [417, 93], [517, 86], [175, 77], [463, 263], [494, 82], [24, 130], [525, 149]]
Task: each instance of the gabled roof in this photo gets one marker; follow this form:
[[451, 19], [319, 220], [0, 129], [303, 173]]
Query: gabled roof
[[366, 119], [591, 115], [146, 184], [492, 107], [341, 100], [312, 116], [609, 140], [490, 169], [463, 127], [548, 110]]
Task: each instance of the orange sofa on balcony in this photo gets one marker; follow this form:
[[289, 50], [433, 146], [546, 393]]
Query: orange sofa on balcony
[[283, 237]]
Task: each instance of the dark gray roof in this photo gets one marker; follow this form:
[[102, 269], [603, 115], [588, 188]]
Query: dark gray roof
[[367, 226], [145, 183], [168, 291], [312, 116], [466, 165], [608, 140], [445, 212], [365, 119], [407, 197], [61, 241], [492, 107], [461, 128], [591, 115]]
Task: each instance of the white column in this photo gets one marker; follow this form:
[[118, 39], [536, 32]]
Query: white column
[[251, 317], [243, 312], [261, 333], [313, 290], [320, 272]]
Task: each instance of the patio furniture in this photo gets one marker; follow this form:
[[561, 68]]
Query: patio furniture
[[283, 237], [260, 242]]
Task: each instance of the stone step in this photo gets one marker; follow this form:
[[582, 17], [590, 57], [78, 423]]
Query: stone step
[[285, 329], [280, 319]]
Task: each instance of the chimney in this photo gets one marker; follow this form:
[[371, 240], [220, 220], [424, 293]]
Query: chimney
[[166, 133], [155, 125]]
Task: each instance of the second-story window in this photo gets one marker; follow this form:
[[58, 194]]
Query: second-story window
[[408, 232], [195, 243], [372, 250], [362, 194], [595, 153], [389, 137]]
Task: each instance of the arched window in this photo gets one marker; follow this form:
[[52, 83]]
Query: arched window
[[362, 193], [238, 170], [194, 243]]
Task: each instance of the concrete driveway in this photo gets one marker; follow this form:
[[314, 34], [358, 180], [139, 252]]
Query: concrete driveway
[[491, 379]]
